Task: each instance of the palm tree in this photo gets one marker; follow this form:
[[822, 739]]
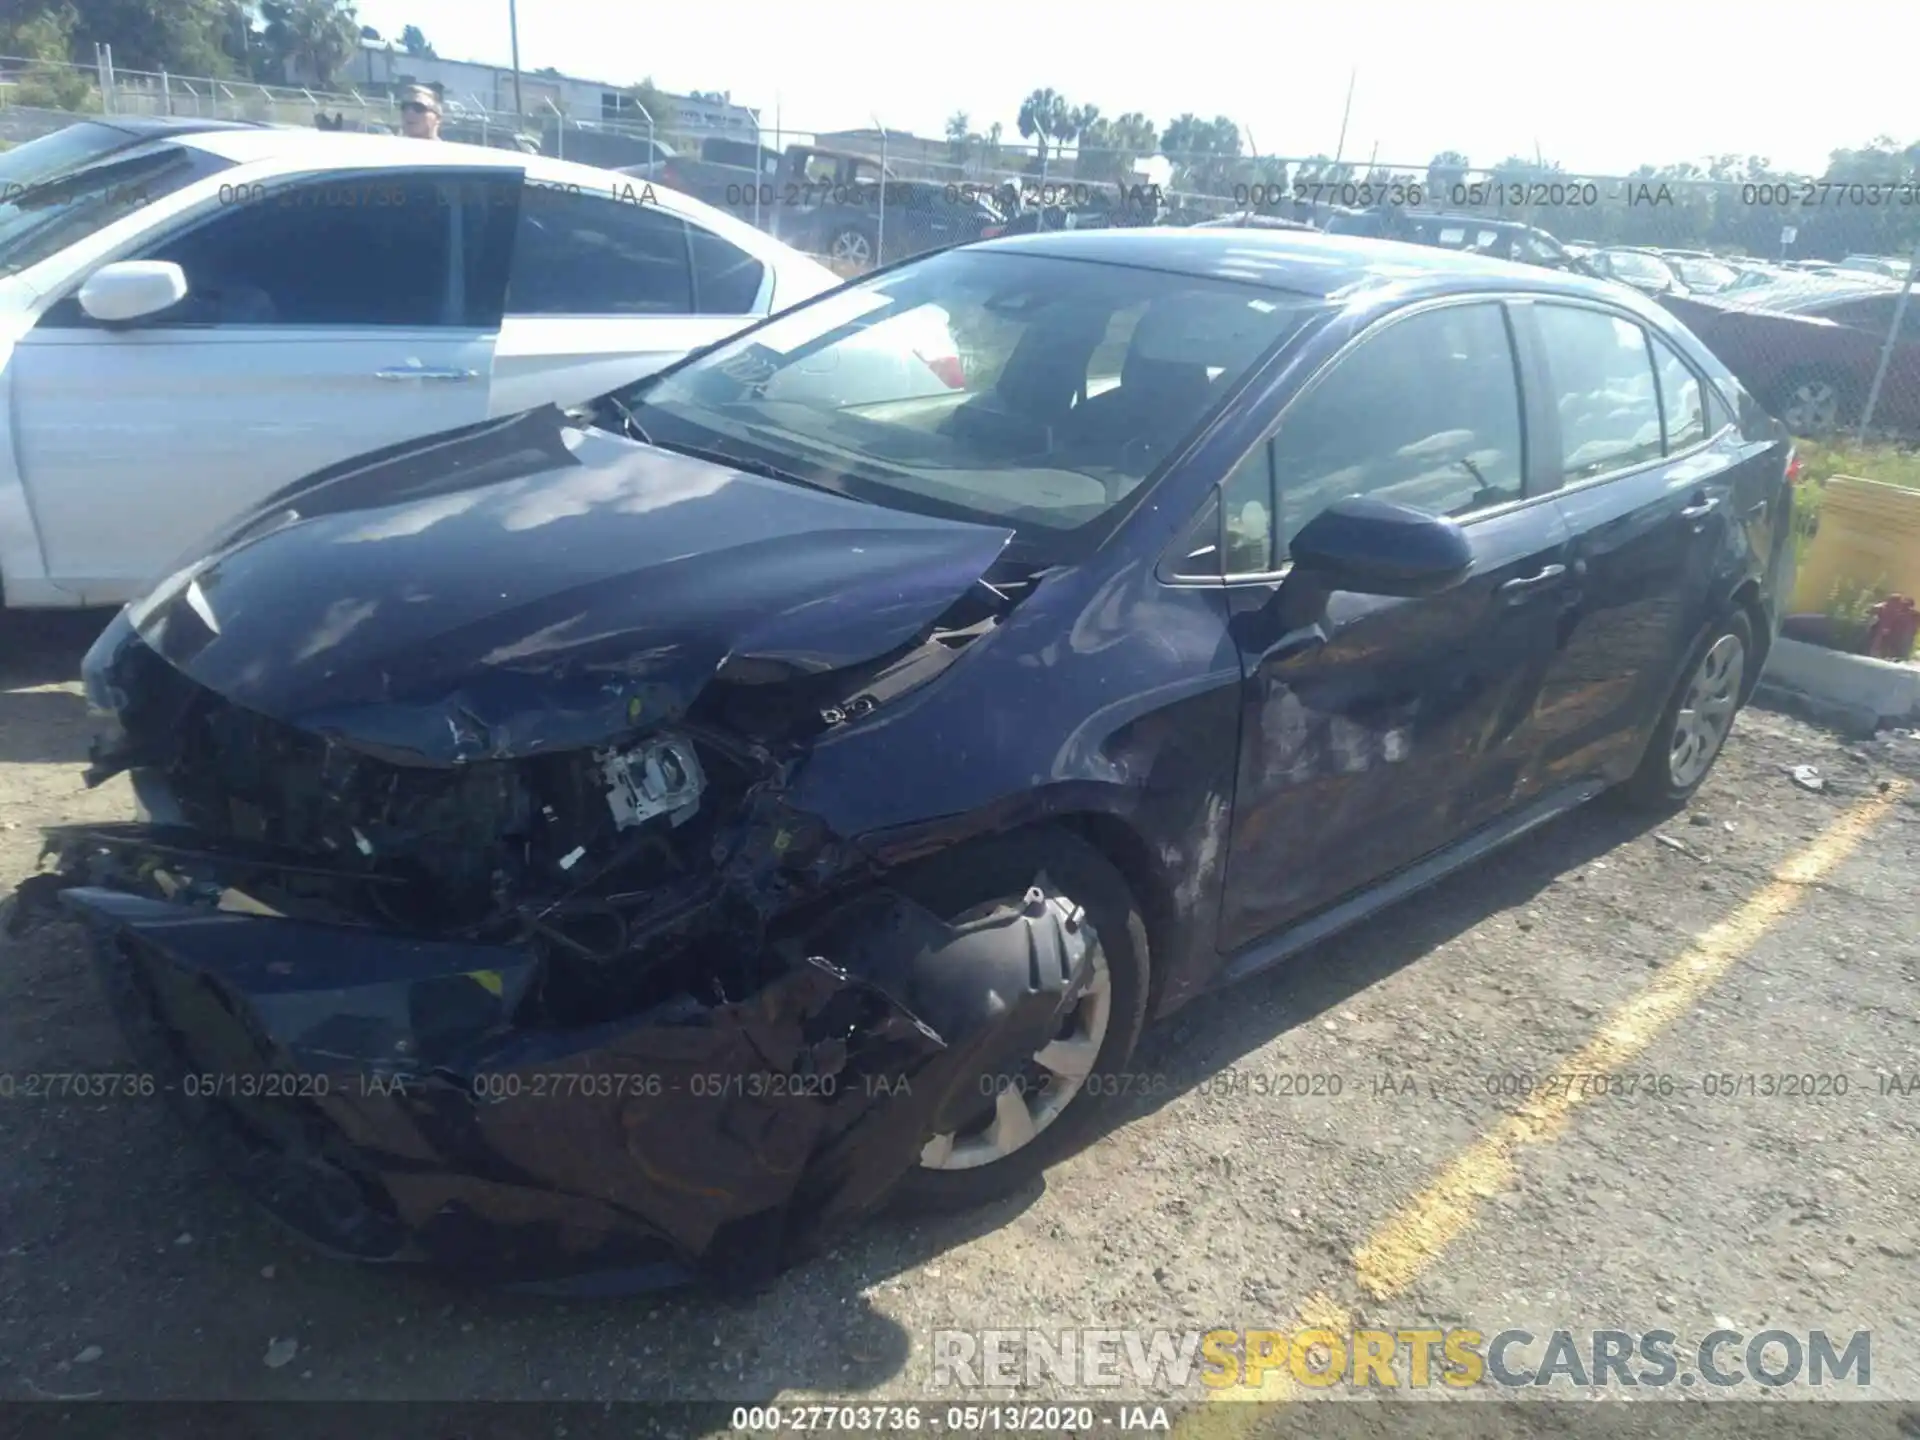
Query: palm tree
[[1045, 117], [1205, 150], [1444, 171], [1109, 148], [960, 137], [311, 38]]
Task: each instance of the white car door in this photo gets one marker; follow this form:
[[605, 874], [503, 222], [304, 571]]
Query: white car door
[[609, 285], [325, 316]]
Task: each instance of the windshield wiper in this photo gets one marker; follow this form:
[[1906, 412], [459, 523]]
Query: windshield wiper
[[745, 464], [629, 422]]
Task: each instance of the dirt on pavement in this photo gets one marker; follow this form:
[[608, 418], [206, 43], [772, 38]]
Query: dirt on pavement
[[129, 1269]]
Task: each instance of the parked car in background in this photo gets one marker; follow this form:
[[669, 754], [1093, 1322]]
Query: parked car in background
[[838, 204], [1808, 346], [1469, 234], [1251, 220], [1889, 267], [734, 740], [189, 319], [1754, 273], [1644, 270], [1701, 274]]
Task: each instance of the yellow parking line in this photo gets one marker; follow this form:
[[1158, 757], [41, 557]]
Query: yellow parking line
[[1411, 1239], [1403, 1247]]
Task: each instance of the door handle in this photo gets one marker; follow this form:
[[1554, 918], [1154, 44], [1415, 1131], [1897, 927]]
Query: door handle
[[1515, 591], [1701, 508], [417, 372], [1759, 508]]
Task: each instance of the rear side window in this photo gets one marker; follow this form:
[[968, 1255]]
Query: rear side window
[[726, 280], [1681, 401], [579, 254], [1426, 412], [1603, 387]]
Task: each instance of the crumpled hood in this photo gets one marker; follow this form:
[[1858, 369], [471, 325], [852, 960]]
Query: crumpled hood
[[526, 585]]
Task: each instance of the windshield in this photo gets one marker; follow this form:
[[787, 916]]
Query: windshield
[[1704, 274], [1636, 265], [1003, 387], [65, 186]]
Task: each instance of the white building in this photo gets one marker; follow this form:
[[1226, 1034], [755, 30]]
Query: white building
[[382, 66]]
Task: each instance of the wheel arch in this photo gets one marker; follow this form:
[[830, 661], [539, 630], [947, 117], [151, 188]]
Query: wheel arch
[[1746, 597]]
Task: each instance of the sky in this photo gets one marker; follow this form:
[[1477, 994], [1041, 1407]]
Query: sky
[[1601, 89]]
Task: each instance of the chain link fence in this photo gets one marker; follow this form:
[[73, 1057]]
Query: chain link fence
[[1797, 283]]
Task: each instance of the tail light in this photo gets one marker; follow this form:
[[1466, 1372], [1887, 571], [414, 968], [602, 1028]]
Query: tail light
[[991, 230], [1795, 466], [669, 173]]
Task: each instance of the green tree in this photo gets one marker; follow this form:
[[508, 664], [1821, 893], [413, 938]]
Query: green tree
[[39, 31], [44, 33], [1109, 148], [310, 39], [960, 137], [414, 41], [1205, 153], [655, 101], [1444, 171], [1046, 119], [183, 36]]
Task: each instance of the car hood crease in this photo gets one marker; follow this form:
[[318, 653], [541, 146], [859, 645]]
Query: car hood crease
[[535, 586]]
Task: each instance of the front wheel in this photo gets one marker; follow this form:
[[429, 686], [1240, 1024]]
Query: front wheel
[[1814, 402], [1030, 1118], [1693, 728], [852, 247]]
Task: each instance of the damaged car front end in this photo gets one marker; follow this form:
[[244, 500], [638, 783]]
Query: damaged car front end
[[469, 910]]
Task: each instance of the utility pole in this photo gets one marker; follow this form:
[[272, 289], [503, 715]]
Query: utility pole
[[1340, 150], [513, 31]]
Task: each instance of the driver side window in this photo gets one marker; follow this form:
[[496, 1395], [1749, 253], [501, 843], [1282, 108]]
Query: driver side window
[[1425, 412]]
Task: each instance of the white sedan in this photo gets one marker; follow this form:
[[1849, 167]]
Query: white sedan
[[193, 315]]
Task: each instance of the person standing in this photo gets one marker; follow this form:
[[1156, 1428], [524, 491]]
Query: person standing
[[419, 113]]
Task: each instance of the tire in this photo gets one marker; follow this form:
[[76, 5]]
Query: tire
[[852, 245], [1703, 706], [1000, 870], [1816, 402]]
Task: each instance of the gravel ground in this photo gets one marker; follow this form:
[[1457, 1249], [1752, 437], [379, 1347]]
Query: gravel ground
[[129, 1270]]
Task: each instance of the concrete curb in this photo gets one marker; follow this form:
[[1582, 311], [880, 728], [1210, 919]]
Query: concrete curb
[[1851, 691]]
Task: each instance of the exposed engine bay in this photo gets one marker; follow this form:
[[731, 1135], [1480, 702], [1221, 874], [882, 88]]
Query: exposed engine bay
[[613, 1008]]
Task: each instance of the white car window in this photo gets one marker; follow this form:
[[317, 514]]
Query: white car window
[[582, 254], [1603, 379], [361, 249]]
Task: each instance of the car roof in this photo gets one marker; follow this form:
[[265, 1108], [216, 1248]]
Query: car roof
[[159, 127], [1484, 222], [1797, 294], [337, 147], [1304, 262]]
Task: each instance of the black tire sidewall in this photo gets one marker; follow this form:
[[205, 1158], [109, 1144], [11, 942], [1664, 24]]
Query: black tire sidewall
[[1652, 784], [1846, 402], [1006, 866]]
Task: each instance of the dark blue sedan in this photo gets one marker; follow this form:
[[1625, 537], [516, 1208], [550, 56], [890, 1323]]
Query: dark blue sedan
[[641, 840]]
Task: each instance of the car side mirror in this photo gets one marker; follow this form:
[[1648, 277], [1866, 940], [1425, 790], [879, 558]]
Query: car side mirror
[[132, 290], [1375, 547]]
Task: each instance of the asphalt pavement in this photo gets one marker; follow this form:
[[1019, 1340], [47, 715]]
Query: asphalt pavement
[[1625, 1077]]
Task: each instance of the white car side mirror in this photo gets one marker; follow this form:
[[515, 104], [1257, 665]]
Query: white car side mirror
[[132, 289]]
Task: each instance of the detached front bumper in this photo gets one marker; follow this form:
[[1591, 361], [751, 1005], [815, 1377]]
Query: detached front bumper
[[377, 1094]]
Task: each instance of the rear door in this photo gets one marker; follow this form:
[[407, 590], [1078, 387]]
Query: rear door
[[1385, 728], [609, 286], [1648, 489], [325, 316]]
